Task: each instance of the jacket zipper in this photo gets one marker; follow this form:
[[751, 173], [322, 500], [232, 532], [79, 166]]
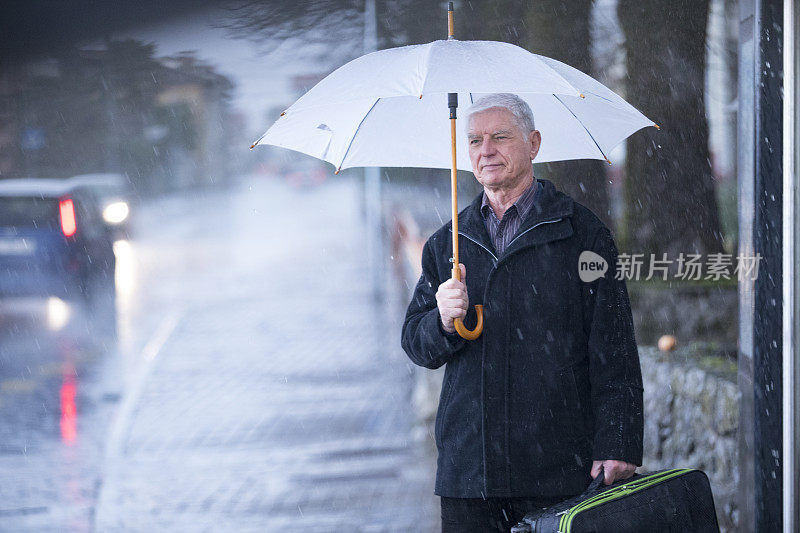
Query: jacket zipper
[[482, 246], [496, 260], [532, 227], [512, 240]]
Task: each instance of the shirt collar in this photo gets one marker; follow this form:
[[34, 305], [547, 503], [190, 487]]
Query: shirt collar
[[523, 203]]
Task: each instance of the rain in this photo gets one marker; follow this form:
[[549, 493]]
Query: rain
[[203, 316]]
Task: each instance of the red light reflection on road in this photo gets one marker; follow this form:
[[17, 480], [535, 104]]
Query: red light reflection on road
[[69, 411]]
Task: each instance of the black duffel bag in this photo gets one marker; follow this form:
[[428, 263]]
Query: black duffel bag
[[677, 500]]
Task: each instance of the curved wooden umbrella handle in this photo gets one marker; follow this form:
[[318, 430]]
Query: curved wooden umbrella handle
[[475, 333], [464, 332]]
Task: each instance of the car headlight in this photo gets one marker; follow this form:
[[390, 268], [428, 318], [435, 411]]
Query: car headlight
[[116, 212]]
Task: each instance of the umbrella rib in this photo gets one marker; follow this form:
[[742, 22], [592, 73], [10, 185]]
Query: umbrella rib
[[427, 61], [584, 128], [354, 136], [557, 73]]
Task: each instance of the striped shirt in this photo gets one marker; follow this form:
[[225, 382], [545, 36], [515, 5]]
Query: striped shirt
[[502, 231]]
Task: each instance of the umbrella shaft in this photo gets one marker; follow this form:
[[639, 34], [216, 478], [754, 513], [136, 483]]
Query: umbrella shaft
[[454, 198]]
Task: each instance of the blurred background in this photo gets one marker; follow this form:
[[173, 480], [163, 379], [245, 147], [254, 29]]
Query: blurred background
[[194, 334]]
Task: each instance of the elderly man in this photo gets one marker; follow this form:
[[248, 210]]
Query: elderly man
[[550, 394]]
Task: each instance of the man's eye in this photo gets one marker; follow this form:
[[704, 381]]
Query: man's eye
[[474, 141]]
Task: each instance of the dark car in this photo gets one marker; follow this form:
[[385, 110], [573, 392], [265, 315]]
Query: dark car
[[53, 242]]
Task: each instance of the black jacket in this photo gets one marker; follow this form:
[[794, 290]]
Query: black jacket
[[554, 381]]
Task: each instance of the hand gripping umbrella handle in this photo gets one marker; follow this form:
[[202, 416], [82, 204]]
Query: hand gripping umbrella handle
[[463, 331]]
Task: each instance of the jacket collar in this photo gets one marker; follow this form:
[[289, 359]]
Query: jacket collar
[[537, 227]]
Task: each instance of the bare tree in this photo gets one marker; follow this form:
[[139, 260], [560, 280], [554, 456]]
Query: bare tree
[[335, 25]]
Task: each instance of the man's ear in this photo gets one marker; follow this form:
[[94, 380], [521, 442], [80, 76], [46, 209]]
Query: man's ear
[[535, 138]]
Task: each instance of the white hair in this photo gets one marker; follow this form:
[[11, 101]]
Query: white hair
[[516, 105]]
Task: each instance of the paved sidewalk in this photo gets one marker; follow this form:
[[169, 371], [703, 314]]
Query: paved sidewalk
[[273, 395]]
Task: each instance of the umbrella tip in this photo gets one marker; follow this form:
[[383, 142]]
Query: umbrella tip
[[607, 161], [420, 96], [337, 170], [283, 113], [583, 95], [252, 146], [657, 126]]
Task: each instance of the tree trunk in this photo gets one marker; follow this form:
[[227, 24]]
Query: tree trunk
[[669, 190]]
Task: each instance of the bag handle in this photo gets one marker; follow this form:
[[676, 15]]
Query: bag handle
[[594, 487]]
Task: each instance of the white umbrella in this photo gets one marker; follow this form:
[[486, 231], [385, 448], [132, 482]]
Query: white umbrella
[[387, 109]]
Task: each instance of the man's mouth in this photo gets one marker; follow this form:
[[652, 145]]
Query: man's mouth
[[492, 165]]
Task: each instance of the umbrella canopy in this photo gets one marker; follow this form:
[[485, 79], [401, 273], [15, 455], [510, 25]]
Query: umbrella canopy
[[388, 108]]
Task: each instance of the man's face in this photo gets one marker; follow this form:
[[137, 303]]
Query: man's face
[[500, 152]]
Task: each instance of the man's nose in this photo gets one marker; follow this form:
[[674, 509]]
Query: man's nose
[[487, 147]]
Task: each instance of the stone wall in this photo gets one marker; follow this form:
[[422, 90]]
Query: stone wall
[[691, 418]]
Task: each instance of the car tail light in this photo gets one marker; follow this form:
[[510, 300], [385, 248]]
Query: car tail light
[[67, 211]]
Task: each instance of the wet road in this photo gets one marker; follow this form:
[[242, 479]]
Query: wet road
[[255, 384]]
